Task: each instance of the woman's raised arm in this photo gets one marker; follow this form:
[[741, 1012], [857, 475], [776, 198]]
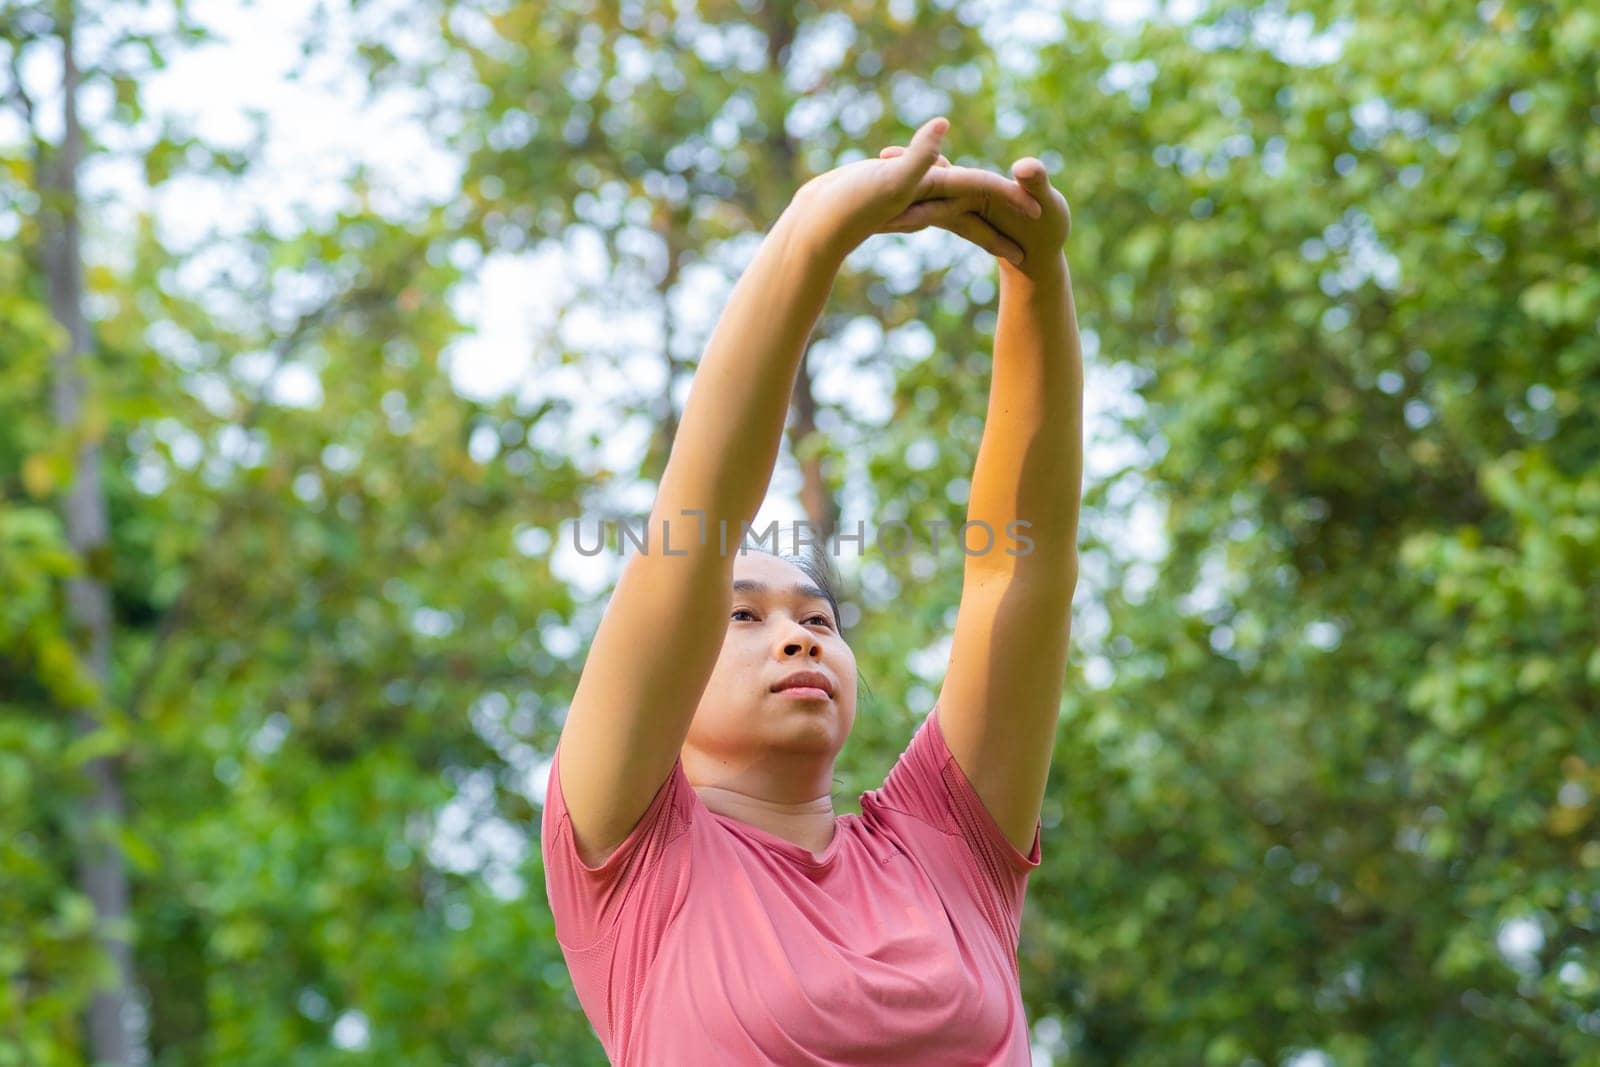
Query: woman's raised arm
[[660, 635]]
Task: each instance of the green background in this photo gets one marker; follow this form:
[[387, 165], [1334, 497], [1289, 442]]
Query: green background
[[1324, 785]]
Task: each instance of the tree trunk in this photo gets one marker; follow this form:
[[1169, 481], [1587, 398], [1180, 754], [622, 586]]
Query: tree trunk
[[113, 1025], [820, 508]]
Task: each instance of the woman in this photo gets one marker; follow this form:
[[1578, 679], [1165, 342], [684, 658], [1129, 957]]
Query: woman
[[712, 907]]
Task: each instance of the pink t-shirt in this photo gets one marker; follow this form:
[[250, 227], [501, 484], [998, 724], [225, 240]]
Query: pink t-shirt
[[703, 939]]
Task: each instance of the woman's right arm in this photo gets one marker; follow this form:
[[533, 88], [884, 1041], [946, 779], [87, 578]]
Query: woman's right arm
[[661, 633]]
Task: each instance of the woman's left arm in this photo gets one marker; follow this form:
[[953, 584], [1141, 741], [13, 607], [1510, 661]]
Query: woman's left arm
[[998, 704]]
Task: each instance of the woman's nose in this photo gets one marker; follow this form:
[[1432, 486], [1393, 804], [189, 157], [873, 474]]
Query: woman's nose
[[799, 639]]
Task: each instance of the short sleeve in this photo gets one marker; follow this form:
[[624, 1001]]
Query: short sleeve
[[587, 902], [928, 784]]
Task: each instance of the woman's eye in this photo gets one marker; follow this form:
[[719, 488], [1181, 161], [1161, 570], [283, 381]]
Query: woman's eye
[[823, 619]]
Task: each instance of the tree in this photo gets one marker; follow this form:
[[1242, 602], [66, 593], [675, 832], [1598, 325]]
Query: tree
[[304, 668], [114, 1026], [1339, 741], [1326, 771]]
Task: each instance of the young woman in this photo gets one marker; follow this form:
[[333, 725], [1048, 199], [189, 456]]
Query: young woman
[[711, 906]]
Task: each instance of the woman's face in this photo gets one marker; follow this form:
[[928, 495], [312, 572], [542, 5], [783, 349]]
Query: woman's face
[[774, 630]]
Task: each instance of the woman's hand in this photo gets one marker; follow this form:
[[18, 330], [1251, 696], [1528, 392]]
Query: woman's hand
[[963, 216], [992, 222], [848, 204]]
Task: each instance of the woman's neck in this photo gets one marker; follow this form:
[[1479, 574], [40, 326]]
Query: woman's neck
[[809, 824]]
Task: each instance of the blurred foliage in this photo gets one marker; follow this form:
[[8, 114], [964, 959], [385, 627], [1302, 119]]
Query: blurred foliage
[[1328, 765]]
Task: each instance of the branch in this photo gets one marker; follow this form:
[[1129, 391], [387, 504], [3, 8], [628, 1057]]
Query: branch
[[303, 327], [15, 93]]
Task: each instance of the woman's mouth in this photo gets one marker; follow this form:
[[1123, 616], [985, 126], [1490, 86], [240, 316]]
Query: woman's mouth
[[804, 692]]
